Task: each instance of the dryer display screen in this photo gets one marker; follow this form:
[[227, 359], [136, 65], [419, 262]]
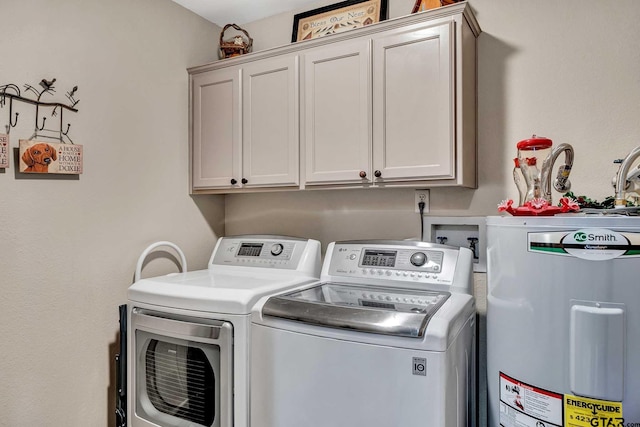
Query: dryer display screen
[[250, 249], [379, 258]]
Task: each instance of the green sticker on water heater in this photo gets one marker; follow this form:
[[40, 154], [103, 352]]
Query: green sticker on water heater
[[595, 244]]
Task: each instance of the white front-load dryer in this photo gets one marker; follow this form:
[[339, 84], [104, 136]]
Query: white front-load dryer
[[188, 334], [385, 338]]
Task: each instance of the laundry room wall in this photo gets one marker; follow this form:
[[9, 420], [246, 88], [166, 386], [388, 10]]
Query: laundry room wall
[[69, 246], [566, 70]]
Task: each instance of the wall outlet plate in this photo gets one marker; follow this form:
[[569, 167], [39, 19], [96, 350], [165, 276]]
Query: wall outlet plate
[[421, 196], [464, 231]]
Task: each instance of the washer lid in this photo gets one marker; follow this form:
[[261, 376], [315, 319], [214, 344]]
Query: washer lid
[[380, 310]]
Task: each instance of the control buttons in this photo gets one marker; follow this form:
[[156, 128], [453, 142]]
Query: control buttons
[[276, 249], [352, 257], [418, 259]]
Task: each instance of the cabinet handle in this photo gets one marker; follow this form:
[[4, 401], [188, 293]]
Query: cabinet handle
[[363, 174], [233, 181], [377, 174], [244, 180]]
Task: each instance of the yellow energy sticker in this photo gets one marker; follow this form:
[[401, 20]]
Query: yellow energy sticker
[[584, 412]]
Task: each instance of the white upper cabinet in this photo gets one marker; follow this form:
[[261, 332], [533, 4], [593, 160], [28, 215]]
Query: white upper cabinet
[[388, 105], [246, 126], [413, 100], [337, 113], [216, 133], [270, 130]]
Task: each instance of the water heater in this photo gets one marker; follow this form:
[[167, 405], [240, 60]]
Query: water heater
[[563, 321]]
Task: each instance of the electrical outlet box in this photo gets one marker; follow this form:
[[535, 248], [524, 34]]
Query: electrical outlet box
[[465, 231], [421, 196]]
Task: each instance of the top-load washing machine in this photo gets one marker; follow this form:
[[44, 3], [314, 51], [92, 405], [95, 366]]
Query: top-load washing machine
[[188, 333], [385, 338]]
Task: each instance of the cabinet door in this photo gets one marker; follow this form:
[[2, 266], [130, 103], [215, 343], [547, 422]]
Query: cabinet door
[[413, 108], [270, 122], [217, 133], [337, 113]]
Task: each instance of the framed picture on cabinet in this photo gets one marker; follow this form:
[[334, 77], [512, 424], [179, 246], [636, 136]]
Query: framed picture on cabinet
[[422, 5], [337, 18]]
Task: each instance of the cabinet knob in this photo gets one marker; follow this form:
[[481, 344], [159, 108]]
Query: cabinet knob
[[244, 180], [377, 174], [233, 181], [363, 174]]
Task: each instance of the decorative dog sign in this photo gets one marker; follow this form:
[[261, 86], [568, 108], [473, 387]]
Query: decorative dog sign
[[50, 157], [4, 151]]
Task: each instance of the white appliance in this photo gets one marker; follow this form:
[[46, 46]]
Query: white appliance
[[563, 321], [384, 339], [188, 333]]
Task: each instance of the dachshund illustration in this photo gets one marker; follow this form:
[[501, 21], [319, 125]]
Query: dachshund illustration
[[38, 157]]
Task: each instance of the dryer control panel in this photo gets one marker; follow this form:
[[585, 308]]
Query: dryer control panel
[[280, 252], [404, 261]]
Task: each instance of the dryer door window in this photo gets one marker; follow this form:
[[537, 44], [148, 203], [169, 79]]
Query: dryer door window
[[180, 381], [182, 370]]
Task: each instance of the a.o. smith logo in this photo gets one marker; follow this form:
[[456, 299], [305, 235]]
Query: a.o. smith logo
[[594, 244], [580, 236]]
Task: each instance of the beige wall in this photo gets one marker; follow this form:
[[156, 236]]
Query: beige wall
[[68, 247], [566, 70]]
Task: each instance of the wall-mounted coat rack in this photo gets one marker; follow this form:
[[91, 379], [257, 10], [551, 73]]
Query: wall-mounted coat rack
[[12, 92]]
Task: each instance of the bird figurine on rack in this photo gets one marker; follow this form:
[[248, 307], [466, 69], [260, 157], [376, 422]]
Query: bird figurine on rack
[[47, 87], [47, 84]]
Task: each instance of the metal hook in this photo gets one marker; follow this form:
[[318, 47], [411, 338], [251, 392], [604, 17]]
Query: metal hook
[[15, 122], [65, 133], [44, 119]]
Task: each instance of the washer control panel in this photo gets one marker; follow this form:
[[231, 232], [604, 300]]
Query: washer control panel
[[405, 261]]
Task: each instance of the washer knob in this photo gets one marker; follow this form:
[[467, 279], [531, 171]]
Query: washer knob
[[276, 249], [418, 259]]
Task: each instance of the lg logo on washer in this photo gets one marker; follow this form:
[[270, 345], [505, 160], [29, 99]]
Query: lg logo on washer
[[420, 366]]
